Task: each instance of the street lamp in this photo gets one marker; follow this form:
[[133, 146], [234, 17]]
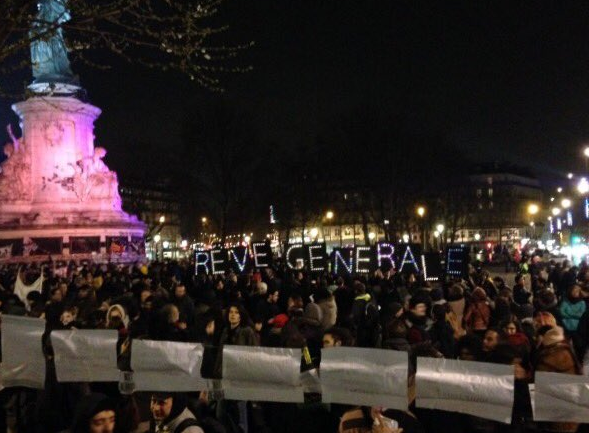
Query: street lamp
[[566, 203], [533, 208], [421, 211], [559, 189], [440, 228], [586, 151], [555, 211], [371, 236], [203, 220], [477, 237], [162, 219], [329, 215], [570, 175]]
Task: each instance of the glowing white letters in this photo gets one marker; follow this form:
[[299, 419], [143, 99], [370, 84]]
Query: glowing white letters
[[412, 261], [257, 255], [313, 259], [199, 262], [359, 260], [215, 262], [380, 255]]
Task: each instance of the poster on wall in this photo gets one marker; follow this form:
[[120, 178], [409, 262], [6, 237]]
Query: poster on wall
[[137, 245], [42, 246], [84, 244], [10, 248], [116, 244]]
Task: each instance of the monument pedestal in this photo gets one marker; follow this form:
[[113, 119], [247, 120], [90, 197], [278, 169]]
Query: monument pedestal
[[57, 196]]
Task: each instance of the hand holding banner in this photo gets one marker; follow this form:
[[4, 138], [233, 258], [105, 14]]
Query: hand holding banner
[[167, 366], [85, 355], [367, 377], [262, 374], [474, 388]]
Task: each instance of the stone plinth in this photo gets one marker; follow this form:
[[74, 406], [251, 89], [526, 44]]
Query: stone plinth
[[55, 184]]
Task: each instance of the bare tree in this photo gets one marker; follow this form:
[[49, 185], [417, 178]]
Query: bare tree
[[164, 34]]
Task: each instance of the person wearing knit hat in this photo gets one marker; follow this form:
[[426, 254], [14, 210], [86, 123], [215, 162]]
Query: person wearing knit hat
[[95, 413], [170, 414]]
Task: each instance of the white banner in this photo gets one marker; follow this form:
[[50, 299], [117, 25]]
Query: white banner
[[167, 366], [22, 290], [367, 377], [561, 397], [85, 355], [23, 362], [474, 388], [262, 374]]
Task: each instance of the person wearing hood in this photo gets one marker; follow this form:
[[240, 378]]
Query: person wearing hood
[[366, 318], [572, 308], [170, 414], [117, 310], [556, 355], [478, 313], [326, 303], [95, 413]]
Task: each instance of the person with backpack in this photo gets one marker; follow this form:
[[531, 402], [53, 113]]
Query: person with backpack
[[170, 414]]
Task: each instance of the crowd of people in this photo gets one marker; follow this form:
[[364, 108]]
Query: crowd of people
[[535, 321]]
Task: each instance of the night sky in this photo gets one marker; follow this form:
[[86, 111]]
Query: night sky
[[505, 81]]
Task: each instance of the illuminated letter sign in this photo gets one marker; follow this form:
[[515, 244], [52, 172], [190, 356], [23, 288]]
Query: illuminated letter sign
[[409, 261], [362, 259], [294, 251], [385, 252], [217, 261], [342, 261], [234, 257], [262, 254], [456, 261], [317, 256], [201, 262], [430, 263]]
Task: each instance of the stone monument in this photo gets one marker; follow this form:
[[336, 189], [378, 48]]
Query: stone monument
[[57, 196]]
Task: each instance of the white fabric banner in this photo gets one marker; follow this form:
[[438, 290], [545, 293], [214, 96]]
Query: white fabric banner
[[23, 362], [561, 397], [85, 355], [474, 388], [367, 377], [22, 290], [262, 374], [167, 366]]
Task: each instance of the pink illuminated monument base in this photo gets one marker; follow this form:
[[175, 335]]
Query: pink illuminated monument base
[[57, 196]]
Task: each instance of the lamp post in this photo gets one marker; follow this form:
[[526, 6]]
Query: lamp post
[[440, 229], [329, 217], [156, 240]]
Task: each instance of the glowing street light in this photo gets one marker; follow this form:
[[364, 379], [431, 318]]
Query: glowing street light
[[586, 151], [421, 211], [371, 236], [555, 211], [583, 186], [477, 237], [559, 189], [247, 239], [436, 233], [406, 238], [203, 220], [162, 219], [157, 238], [532, 224], [166, 244], [570, 175], [184, 243], [565, 203], [329, 215], [533, 209], [440, 228]]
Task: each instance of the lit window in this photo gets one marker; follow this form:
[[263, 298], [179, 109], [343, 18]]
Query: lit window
[[490, 192]]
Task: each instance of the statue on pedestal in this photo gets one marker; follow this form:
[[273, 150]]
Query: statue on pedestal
[[48, 50]]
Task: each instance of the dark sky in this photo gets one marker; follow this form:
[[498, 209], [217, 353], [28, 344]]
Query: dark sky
[[506, 81]]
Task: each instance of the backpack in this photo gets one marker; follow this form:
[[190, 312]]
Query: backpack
[[208, 424]]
